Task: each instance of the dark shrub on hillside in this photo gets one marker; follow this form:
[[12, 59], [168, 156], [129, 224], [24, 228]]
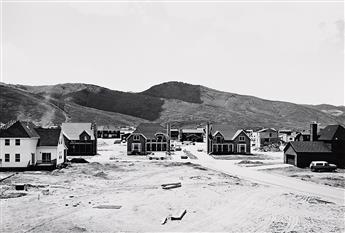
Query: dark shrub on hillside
[[176, 90], [132, 104]]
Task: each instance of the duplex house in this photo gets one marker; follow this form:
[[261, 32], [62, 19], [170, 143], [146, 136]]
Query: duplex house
[[148, 137], [24, 146], [222, 139], [328, 145], [80, 138]]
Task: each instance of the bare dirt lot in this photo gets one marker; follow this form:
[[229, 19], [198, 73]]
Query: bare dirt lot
[[118, 193], [335, 179]]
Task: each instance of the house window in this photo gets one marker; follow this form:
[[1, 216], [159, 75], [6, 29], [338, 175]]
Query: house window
[[242, 138], [218, 139], [136, 137], [7, 142], [46, 157], [270, 135], [17, 142], [7, 157], [17, 158]]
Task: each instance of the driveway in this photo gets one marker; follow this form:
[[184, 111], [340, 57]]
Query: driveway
[[332, 194]]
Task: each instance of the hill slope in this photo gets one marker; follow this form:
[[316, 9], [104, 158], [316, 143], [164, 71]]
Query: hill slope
[[34, 104], [173, 102]]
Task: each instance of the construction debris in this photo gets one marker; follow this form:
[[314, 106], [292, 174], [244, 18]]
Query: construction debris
[[178, 216], [171, 185], [7, 177], [108, 207], [21, 187]]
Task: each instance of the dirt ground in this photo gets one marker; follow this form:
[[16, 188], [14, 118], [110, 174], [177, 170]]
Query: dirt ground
[[66, 200], [335, 179]]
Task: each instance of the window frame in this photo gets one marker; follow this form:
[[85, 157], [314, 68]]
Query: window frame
[[46, 154], [7, 142], [7, 159], [241, 138], [17, 158], [17, 142]]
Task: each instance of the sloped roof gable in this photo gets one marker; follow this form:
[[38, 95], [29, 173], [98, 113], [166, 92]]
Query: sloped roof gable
[[149, 130], [72, 131], [48, 137], [332, 132], [309, 147], [19, 129]]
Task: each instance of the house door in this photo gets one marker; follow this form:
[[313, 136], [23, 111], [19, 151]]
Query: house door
[[242, 148], [136, 147]]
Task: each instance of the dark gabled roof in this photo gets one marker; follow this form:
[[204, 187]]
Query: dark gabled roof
[[332, 132], [19, 129], [309, 147], [48, 137], [150, 129], [227, 131]]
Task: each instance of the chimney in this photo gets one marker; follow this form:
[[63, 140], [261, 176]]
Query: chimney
[[313, 131]]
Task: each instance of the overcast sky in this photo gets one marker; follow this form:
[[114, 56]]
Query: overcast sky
[[281, 51]]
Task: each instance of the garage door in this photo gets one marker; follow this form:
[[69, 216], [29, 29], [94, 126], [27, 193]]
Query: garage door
[[290, 159]]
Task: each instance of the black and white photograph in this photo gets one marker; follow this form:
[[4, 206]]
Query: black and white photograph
[[172, 116]]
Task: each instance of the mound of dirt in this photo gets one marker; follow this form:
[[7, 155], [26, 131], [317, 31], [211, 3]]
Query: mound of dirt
[[96, 165], [78, 160], [12, 195], [101, 174], [250, 162]]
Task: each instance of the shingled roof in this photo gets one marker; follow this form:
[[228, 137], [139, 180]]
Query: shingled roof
[[73, 130], [19, 129], [48, 137], [150, 129], [226, 130], [309, 147], [332, 132]]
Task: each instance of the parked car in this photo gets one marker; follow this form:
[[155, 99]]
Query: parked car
[[178, 148], [158, 156], [200, 149], [117, 141], [184, 157], [322, 166]]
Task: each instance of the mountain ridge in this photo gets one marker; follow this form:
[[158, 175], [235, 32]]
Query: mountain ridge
[[178, 102]]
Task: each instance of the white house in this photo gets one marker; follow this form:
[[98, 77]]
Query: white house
[[51, 147], [22, 145], [265, 137]]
